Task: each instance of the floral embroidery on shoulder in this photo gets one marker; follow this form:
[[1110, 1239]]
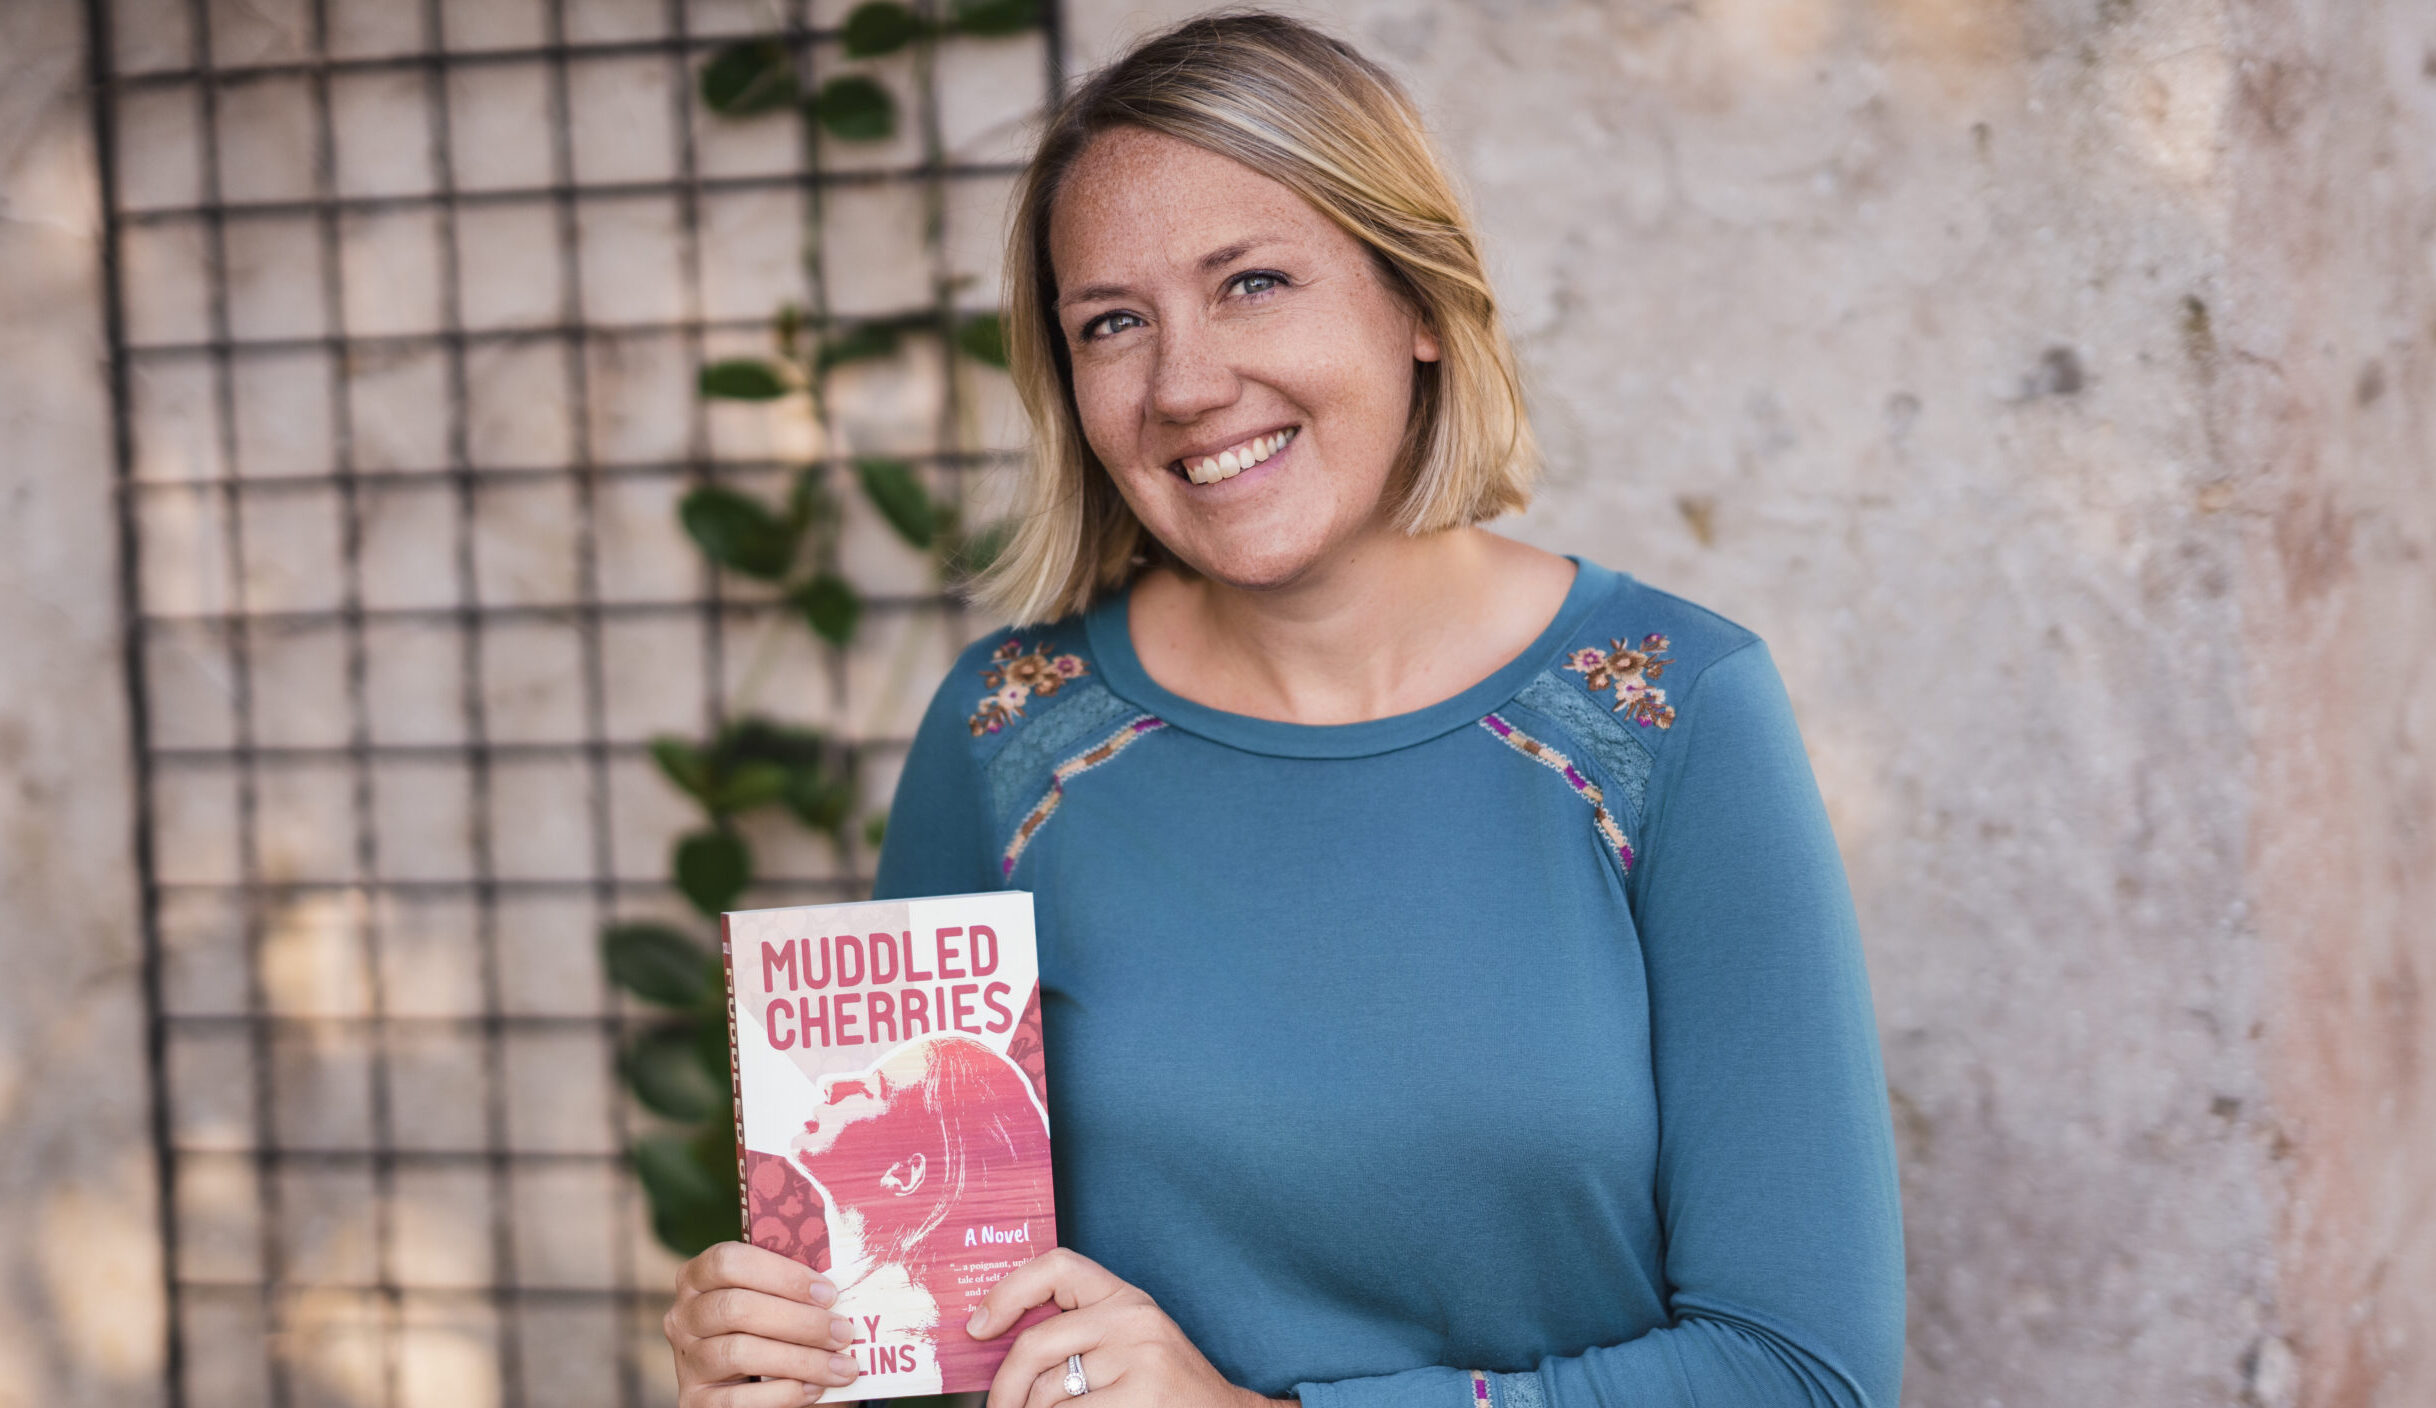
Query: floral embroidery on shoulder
[[1014, 676], [1630, 671]]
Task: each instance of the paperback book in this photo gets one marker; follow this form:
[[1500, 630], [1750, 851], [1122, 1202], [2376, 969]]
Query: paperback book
[[892, 1117]]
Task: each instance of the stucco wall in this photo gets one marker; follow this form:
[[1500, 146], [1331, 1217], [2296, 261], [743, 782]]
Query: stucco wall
[[2053, 383], [80, 1281], [2325, 392]]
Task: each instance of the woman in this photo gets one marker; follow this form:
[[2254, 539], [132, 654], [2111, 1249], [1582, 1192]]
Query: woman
[[1451, 991]]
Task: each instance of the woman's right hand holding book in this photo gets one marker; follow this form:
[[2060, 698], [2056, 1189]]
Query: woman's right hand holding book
[[744, 1312]]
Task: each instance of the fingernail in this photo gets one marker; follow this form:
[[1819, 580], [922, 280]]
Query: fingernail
[[979, 1322], [822, 1292], [844, 1364], [841, 1329]]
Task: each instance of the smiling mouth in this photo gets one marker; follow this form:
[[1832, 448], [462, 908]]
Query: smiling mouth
[[1234, 459]]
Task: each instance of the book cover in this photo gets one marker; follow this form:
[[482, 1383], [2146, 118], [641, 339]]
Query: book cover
[[892, 1117]]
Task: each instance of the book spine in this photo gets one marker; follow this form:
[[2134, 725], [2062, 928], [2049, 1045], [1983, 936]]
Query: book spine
[[735, 1082]]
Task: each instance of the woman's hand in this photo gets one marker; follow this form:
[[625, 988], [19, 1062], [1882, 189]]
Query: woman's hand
[[1131, 1351], [743, 1311]]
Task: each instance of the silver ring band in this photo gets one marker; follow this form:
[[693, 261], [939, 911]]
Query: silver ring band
[[1075, 1385]]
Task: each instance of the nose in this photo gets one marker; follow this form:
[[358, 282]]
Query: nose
[[1191, 378]]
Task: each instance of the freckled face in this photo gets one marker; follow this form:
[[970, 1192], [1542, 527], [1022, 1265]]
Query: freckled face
[[1240, 365]]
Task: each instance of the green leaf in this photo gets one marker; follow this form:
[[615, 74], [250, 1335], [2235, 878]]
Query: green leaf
[[713, 1147], [875, 830], [995, 17], [664, 1071], [747, 785], [684, 765], [822, 800], [754, 737], [713, 867], [692, 1229], [743, 379], [747, 77], [690, 1209], [709, 1041], [669, 1168], [855, 108], [946, 524], [830, 606], [862, 343], [738, 532], [660, 964], [892, 489], [809, 502], [974, 553], [984, 339], [880, 27]]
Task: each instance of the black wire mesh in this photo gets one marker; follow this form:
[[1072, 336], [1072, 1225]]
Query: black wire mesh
[[402, 349]]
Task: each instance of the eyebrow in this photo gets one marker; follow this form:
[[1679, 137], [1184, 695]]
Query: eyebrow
[[1210, 262]]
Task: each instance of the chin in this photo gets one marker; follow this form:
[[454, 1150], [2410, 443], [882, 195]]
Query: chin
[[1253, 570], [1256, 558]]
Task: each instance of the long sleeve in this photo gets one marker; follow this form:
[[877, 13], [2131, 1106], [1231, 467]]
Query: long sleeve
[[1776, 1183], [938, 827]]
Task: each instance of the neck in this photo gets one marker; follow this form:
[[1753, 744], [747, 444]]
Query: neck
[[1394, 624]]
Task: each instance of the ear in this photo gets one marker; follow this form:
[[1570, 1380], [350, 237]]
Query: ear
[[1425, 341]]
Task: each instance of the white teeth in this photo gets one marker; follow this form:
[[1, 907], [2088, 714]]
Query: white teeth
[[1226, 464]]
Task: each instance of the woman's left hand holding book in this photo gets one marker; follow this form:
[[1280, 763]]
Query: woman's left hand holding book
[[743, 1312], [1130, 1349]]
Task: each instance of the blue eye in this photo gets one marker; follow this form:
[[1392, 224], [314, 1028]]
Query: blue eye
[[1267, 278], [1099, 327]]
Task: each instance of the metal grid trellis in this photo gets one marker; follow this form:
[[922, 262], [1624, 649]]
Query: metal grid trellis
[[397, 562]]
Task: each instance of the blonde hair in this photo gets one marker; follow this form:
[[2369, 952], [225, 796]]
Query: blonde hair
[[1308, 112]]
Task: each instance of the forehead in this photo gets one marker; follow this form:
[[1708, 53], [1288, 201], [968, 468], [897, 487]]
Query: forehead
[[1137, 202], [907, 1064]]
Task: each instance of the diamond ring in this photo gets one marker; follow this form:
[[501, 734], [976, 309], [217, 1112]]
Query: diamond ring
[[1076, 1385]]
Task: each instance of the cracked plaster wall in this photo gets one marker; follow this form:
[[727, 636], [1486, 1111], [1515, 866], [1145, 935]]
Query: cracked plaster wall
[[2051, 383], [80, 1299]]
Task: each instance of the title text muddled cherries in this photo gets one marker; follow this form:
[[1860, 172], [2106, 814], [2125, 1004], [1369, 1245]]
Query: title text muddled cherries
[[871, 987]]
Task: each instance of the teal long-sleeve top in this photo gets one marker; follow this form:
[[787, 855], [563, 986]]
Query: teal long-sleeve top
[[1516, 1051]]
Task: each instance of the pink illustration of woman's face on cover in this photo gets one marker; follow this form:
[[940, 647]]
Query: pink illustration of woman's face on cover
[[873, 1142], [940, 1136]]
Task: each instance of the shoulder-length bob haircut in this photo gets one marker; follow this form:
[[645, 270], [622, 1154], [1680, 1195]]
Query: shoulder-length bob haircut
[[1308, 112]]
